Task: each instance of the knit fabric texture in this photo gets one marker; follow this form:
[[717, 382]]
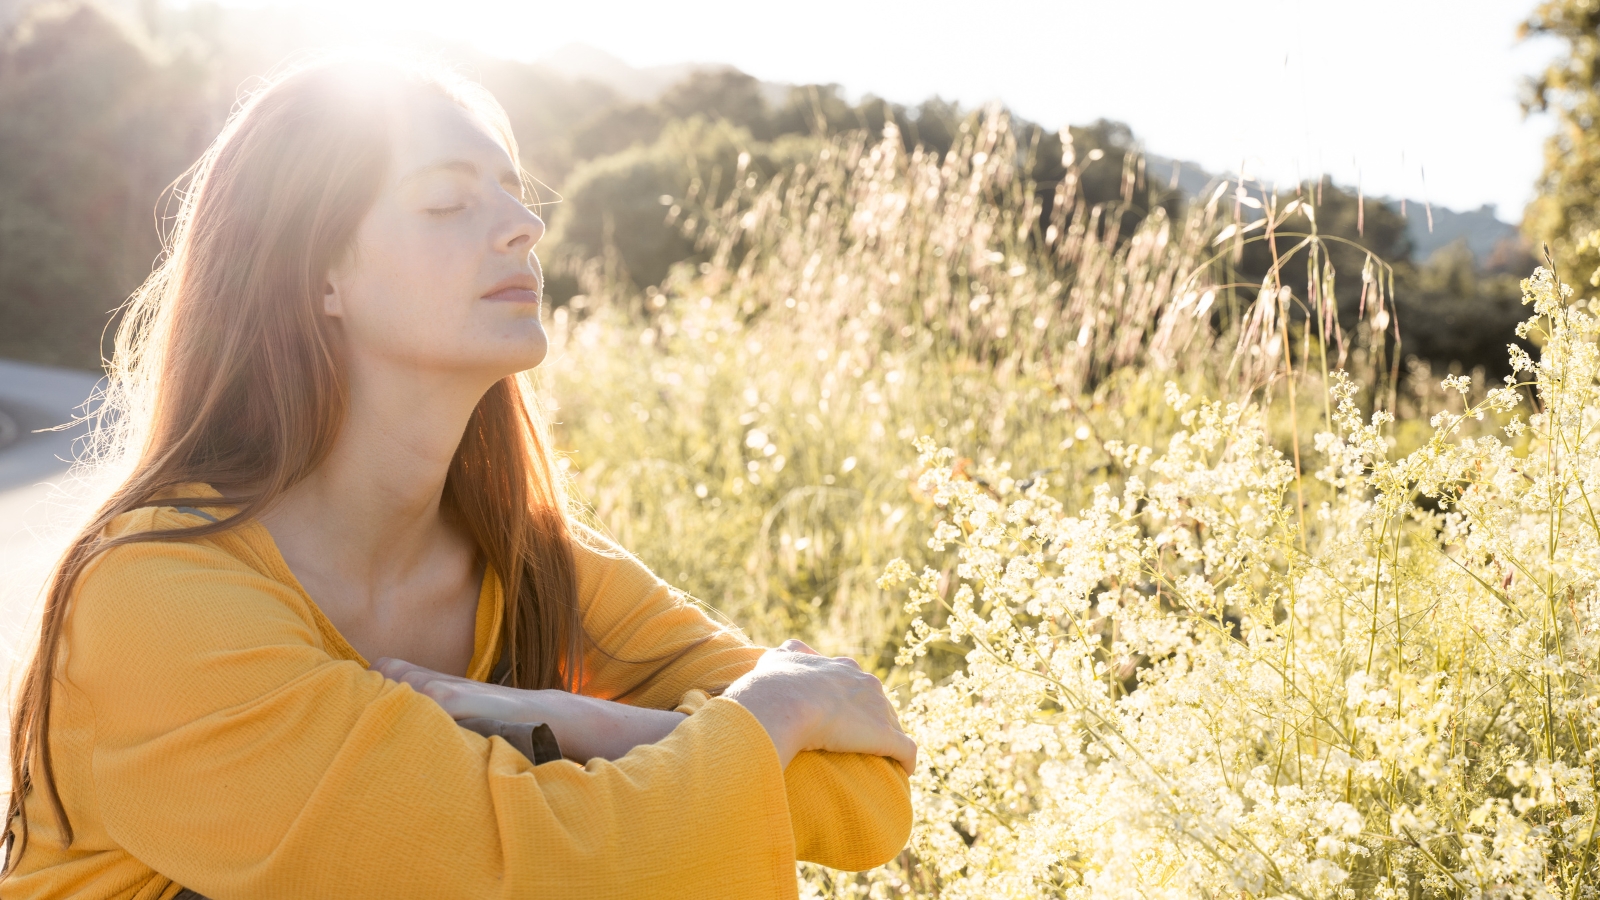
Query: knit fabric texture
[[211, 730]]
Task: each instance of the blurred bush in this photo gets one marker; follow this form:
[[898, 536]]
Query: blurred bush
[[99, 115], [629, 207], [96, 122]]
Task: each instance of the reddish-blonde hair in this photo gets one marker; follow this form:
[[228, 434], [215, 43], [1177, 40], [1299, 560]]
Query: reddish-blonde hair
[[225, 372]]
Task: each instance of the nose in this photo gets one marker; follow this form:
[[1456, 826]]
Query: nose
[[522, 231]]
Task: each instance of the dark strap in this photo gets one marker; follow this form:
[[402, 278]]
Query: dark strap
[[204, 515], [537, 742]]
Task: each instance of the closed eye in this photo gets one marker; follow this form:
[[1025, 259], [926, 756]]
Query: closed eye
[[445, 210]]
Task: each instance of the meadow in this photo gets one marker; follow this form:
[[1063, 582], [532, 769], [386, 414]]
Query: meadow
[[1186, 587]]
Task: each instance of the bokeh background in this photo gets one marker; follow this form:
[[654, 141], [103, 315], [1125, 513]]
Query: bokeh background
[[1450, 141], [1416, 106]]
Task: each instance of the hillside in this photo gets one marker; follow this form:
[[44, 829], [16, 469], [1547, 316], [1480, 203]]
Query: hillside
[[103, 110]]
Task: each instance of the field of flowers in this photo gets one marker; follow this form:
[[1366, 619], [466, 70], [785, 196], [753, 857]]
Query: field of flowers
[[1183, 589]]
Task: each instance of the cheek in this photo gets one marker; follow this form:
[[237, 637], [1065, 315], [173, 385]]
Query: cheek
[[408, 295]]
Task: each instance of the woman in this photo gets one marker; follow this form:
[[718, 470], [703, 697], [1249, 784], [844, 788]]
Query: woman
[[332, 461]]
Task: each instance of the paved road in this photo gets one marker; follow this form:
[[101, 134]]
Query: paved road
[[35, 522]]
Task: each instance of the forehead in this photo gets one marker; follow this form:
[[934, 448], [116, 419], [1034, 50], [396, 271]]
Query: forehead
[[430, 128]]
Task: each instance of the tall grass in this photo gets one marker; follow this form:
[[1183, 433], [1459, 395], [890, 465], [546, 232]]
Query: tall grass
[[1209, 630], [745, 427]]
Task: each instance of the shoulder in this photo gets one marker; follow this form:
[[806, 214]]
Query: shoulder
[[150, 541], [170, 590], [180, 507], [601, 564], [610, 578], [616, 590], [154, 536]]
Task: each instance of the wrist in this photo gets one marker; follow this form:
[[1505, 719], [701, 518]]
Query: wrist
[[578, 721], [787, 721], [591, 728]]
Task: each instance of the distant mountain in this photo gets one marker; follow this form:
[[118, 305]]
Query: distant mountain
[[1485, 233], [1481, 228], [1190, 178], [581, 61], [641, 85], [128, 10]]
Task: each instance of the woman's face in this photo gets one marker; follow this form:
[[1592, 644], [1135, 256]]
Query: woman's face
[[442, 275]]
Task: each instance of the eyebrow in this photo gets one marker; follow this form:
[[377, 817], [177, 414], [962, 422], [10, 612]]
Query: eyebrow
[[508, 178]]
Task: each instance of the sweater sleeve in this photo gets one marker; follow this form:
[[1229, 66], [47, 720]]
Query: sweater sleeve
[[654, 646], [238, 758]]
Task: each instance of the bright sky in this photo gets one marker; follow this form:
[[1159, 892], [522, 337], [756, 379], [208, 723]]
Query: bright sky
[[1413, 97]]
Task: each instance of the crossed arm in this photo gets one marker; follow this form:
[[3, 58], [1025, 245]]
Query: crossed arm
[[796, 714], [226, 749], [847, 786]]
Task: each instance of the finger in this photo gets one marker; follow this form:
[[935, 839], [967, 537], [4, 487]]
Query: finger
[[894, 716], [413, 674], [453, 679], [418, 680], [906, 754], [795, 645], [390, 667], [400, 670], [849, 661]]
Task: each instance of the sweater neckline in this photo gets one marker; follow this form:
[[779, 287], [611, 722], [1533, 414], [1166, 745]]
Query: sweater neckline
[[488, 620]]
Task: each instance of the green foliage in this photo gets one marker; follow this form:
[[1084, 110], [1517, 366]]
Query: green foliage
[[725, 95], [1454, 310], [617, 128], [1262, 645], [634, 208], [738, 428], [96, 125], [1566, 214], [545, 110]]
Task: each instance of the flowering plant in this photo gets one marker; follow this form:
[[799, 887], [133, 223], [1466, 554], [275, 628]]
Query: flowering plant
[[1225, 677]]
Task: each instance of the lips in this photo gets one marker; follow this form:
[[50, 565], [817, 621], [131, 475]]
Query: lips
[[520, 288], [513, 295]]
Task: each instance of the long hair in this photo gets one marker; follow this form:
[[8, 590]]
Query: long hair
[[225, 372]]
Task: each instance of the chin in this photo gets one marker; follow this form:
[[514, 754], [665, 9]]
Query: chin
[[504, 347], [528, 352]]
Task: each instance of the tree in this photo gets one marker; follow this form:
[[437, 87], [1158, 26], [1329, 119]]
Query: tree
[[616, 128], [728, 95], [1454, 311], [544, 108], [1566, 213], [96, 125], [630, 207]]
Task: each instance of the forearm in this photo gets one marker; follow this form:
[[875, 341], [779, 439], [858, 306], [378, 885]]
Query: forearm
[[585, 727], [590, 728]]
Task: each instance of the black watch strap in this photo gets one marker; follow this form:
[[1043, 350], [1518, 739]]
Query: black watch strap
[[536, 741]]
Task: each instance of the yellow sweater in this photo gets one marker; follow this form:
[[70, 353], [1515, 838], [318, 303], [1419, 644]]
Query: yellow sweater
[[212, 730]]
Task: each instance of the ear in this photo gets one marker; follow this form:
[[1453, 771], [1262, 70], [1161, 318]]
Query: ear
[[332, 300]]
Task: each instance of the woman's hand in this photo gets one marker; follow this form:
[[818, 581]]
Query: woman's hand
[[585, 727], [810, 702]]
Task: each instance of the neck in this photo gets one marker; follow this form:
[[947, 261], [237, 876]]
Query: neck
[[370, 511]]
